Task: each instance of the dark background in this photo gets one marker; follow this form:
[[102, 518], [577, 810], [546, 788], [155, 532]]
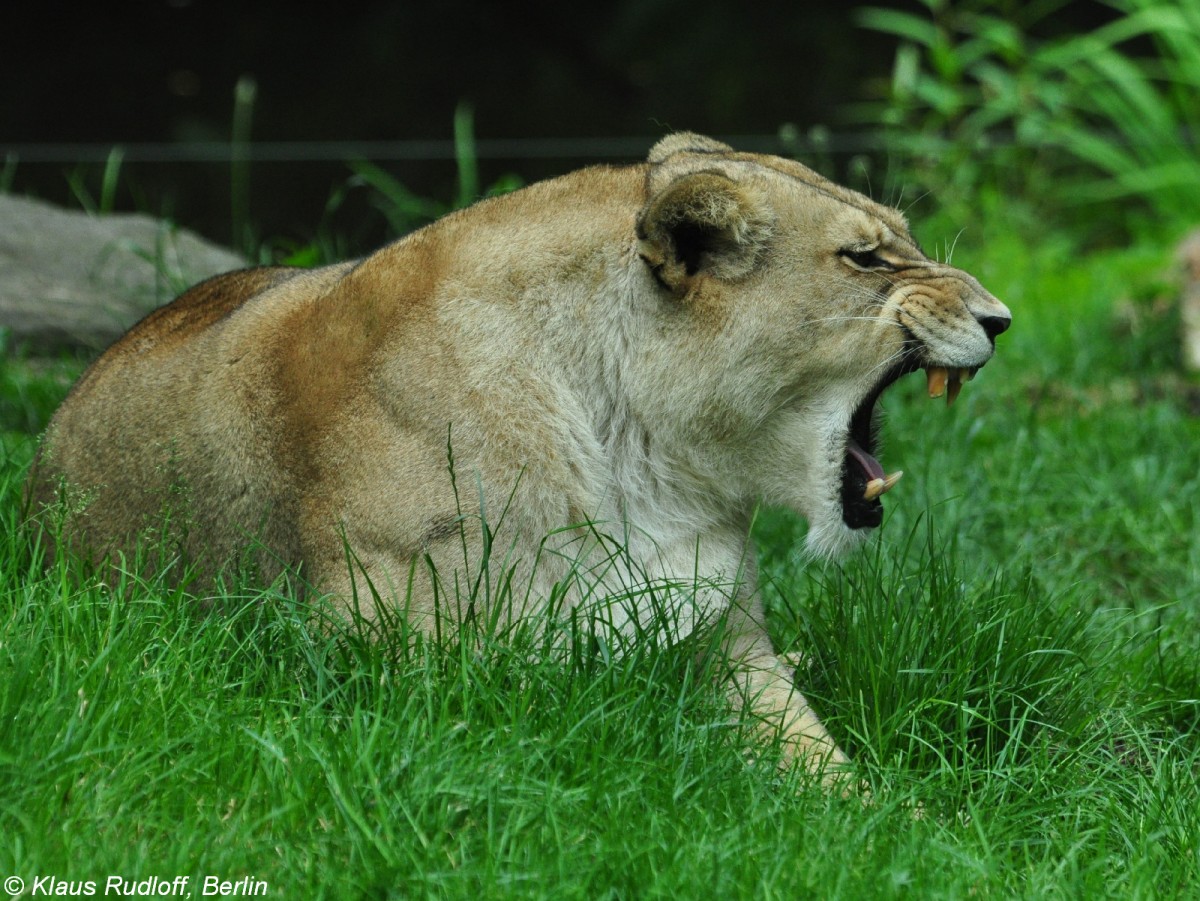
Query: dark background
[[163, 72]]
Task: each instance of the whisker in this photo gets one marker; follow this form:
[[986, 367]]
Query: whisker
[[915, 200]]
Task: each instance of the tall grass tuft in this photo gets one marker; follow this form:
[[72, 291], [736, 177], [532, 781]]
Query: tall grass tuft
[[940, 673], [404, 209], [109, 180], [245, 92]]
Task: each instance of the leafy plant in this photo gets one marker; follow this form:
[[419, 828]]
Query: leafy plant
[[983, 94]]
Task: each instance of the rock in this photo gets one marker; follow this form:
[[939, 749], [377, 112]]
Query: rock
[[73, 280]]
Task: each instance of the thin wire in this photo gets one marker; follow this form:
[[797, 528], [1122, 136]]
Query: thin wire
[[410, 150]]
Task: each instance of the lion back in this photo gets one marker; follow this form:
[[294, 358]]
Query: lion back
[[105, 434]]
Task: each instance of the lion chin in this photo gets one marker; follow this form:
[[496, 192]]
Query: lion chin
[[589, 384]]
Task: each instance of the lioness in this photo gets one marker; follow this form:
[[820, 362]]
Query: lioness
[[591, 382]]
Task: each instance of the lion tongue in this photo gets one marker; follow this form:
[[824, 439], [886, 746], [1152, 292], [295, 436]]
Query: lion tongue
[[877, 481], [868, 464]]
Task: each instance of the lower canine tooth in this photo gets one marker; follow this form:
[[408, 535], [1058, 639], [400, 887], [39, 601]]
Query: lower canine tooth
[[952, 390]]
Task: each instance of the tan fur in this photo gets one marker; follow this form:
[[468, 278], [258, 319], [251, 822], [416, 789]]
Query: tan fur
[[626, 358]]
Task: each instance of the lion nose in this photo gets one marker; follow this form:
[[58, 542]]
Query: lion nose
[[994, 325]]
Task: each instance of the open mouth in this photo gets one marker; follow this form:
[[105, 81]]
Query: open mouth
[[864, 480]]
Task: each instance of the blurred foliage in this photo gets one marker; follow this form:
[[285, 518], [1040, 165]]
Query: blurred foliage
[[984, 96], [406, 210], [403, 209]]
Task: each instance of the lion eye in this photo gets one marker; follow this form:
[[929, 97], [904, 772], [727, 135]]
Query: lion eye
[[865, 259]]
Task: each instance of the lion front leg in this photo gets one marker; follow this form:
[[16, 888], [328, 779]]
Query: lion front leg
[[762, 688]]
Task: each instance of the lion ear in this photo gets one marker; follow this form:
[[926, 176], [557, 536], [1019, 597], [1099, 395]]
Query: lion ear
[[685, 142], [704, 223]]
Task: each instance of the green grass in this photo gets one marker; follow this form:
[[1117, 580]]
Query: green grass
[[1016, 658]]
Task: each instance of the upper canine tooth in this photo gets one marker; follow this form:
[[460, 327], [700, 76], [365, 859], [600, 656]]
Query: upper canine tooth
[[965, 375], [937, 375]]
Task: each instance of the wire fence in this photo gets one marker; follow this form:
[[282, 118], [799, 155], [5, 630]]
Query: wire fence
[[591, 148]]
